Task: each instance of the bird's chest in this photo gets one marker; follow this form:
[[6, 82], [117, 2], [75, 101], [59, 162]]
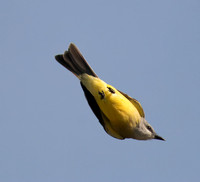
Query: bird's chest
[[118, 109]]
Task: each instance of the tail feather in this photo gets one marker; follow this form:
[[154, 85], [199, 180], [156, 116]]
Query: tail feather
[[67, 65], [73, 60]]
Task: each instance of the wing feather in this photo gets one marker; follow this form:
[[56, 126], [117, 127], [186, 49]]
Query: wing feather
[[135, 103]]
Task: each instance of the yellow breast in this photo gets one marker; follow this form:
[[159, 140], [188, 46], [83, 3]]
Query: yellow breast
[[122, 114]]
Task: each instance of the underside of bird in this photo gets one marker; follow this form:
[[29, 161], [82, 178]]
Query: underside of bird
[[120, 115]]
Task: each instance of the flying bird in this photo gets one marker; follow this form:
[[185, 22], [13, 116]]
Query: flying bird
[[120, 115]]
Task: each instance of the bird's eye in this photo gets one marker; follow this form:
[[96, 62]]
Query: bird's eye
[[149, 128]]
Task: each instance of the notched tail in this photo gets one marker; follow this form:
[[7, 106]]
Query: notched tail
[[73, 60]]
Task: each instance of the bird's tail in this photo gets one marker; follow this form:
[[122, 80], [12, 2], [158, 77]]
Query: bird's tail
[[73, 60]]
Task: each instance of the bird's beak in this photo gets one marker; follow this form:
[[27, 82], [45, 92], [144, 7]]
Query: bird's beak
[[158, 137]]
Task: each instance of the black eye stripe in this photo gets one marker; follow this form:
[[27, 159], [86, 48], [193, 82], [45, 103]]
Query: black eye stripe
[[149, 128]]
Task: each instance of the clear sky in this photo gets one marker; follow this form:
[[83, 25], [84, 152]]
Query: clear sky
[[148, 49]]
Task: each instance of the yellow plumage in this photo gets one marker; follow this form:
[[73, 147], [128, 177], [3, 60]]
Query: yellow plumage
[[120, 115]]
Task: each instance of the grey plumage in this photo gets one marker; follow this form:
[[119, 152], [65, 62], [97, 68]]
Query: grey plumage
[[73, 60]]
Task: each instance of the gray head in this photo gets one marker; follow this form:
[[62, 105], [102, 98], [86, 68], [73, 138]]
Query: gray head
[[144, 131]]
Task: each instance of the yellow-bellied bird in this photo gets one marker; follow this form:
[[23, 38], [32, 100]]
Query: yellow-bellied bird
[[120, 115]]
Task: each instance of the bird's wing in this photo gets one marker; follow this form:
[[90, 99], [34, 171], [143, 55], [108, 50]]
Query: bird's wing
[[99, 114], [135, 103], [93, 104]]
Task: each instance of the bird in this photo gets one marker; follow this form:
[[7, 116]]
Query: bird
[[120, 115]]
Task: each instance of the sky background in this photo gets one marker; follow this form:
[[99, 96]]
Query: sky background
[[148, 49]]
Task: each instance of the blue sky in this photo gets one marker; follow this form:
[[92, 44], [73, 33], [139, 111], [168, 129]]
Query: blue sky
[[147, 49]]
